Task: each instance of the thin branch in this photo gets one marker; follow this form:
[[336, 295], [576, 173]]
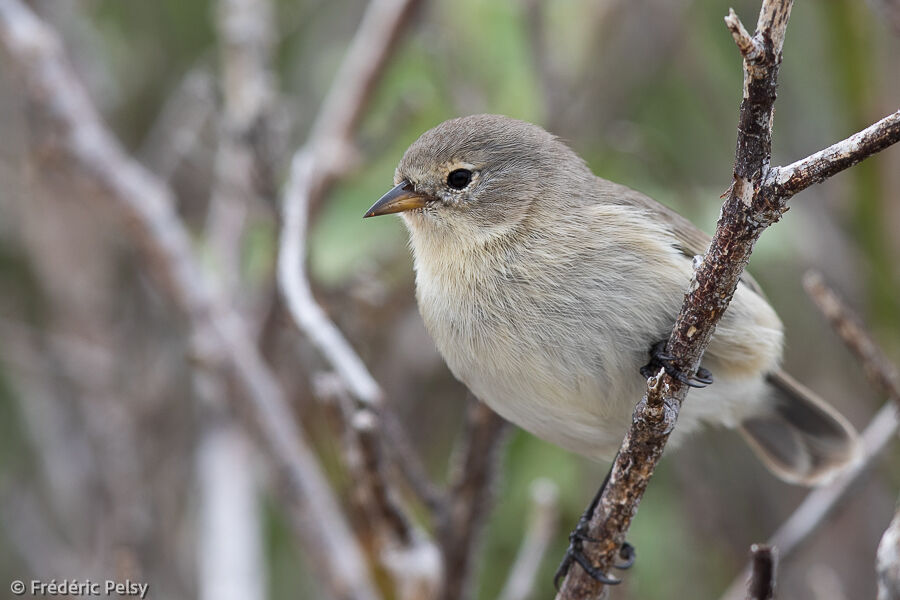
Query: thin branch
[[472, 473], [832, 160], [821, 502], [306, 312], [762, 575], [314, 168], [412, 559], [880, 371], [542, 526], [754, 202], [79, 136]]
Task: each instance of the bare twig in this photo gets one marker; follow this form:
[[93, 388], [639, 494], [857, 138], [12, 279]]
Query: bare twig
[[832, 160], [472, 473], [761, 585], [821, 502], [756, 200], [79, 136], [542, 527]]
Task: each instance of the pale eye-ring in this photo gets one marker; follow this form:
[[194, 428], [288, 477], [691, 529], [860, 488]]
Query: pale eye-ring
[[459, 178]]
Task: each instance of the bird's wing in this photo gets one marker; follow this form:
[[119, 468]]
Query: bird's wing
[[691, 241]]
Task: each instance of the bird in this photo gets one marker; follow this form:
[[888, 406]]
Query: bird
[[549, 292]]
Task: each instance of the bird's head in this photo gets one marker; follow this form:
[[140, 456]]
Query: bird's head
[[479, 176]]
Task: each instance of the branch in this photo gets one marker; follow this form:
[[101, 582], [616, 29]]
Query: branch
[[755, 201], [888, 562], [832, 160], [245, 32], [541, 528], [230, 549], [413, 561], [881, 372], [176, 131], [761, 585], [77, 134], [314, 168], [821, 502], [473, 468]]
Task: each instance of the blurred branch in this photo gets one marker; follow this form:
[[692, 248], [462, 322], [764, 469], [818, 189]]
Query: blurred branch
[[887, 564], [542, 526], [472, 474], [76, 132], [761, 585], [821, 502], [756, 199], [881, 372], [412, 559], [230, 553], [176, 131], [242, 174], [314, 168]]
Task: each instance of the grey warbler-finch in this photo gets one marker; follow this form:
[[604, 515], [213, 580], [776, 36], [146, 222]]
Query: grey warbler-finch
[[545, 287]]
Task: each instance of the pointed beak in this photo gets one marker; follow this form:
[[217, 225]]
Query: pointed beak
[[401, 198]]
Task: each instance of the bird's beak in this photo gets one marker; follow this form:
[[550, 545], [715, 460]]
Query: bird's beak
[[401, 198]]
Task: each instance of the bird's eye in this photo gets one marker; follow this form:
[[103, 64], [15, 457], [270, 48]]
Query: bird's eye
[[459, 178]]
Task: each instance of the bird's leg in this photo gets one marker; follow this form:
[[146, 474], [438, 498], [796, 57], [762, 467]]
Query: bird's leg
[[579, 535], [660, 360]]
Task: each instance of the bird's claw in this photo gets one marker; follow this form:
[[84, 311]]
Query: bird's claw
[[575, 553], [659, 359], [628, 554]]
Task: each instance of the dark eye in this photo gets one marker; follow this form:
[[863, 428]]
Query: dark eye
[[459, 178]]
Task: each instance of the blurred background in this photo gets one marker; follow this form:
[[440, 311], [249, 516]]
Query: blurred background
[[107, 467]]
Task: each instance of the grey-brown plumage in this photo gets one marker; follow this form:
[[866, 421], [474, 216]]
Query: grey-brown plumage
[[544, 288]]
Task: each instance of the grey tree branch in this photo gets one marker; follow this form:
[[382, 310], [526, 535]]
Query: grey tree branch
[[821, 502], [75, 133], [754, 202]]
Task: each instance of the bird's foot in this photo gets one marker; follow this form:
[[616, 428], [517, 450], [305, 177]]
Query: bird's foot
[[575, 554], [660, 360]]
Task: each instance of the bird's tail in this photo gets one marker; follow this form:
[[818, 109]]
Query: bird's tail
[[799, 437]]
